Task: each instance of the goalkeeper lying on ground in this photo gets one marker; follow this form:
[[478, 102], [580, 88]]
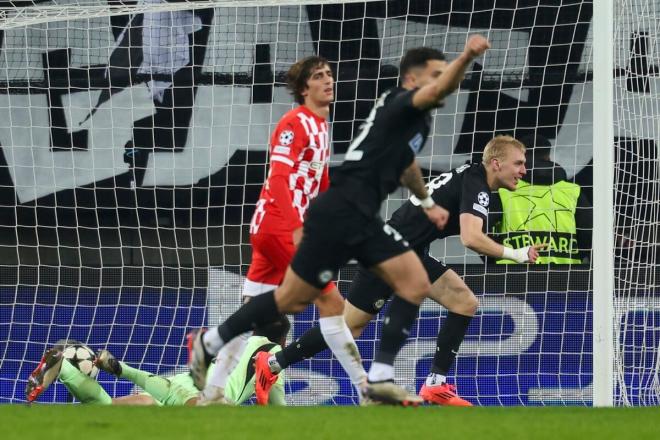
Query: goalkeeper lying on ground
[[171, 391]]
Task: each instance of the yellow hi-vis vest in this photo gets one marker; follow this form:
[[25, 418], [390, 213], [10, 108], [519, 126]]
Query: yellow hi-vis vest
[[534, 214]]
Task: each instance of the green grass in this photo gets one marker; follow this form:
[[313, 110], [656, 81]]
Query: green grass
[[77, 422]]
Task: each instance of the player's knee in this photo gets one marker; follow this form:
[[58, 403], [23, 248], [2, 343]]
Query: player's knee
[[421, 288], [415, 290], [471, 304], [357, 329], [330, 304], [467, 305]]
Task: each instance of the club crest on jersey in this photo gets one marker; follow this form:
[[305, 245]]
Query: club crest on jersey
[[483, 198], [286, 137], [416, 143]]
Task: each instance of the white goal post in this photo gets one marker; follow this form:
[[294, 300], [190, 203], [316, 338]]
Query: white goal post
[[603, 153]]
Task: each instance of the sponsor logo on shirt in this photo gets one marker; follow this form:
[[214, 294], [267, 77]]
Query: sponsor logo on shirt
[[416, 143]]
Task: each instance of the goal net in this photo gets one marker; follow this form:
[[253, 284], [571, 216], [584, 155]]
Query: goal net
[[636, 196], [134, 146]]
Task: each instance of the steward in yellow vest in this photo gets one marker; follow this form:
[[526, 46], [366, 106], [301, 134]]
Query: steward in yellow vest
[[541, 214], [545, 209]]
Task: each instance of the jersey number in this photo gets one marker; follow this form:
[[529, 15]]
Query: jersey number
[[353, 154], [437, 182]]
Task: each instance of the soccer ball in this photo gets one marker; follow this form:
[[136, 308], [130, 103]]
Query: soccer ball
[[82, 357]]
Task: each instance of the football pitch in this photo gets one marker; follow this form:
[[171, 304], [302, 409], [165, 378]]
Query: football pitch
[[344, 423]]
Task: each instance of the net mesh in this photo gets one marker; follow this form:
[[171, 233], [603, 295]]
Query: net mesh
[[134, 149], [636, 192]]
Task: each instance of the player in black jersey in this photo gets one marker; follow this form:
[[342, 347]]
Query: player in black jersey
[[464, 192], [344, 222]]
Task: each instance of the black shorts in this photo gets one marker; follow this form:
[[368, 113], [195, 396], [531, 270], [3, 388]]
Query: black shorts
[[369, 293], [335, 232]]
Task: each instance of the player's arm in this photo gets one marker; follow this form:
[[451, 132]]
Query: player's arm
[[431, 94], [278, 186], [282, 161], [473, 237], [412, 179], [325, 179]]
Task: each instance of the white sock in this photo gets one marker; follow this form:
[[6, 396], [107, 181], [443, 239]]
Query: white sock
[[380, 372], [341, 342], [435, 379], [226, 360], [212, 341]]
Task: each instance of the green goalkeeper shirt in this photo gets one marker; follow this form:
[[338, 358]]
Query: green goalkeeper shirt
[[241, 382]]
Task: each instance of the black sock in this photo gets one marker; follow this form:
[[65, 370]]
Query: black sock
[[449, 340], [396, 329], [306, 346], [260, 310]]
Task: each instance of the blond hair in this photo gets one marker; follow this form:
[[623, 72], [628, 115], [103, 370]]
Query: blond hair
[[497, 147]]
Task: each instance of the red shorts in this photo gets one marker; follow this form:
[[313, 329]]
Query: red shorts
[[271, 255]]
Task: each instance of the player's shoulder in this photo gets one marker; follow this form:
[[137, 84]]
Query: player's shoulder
[[472, 173], [298, 115], [396, 94], [290, 117], [289, 128]]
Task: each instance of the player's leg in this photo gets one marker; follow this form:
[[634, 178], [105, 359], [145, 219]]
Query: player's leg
[[367, 292], [45, 374], [83, 387], [407, 277], [317, 260], [271, 255], [175, 391], [326, 246], [312, 341], [450, 291], [265, 308], [338, 336], [388, 256], [291, 297], [225, 362], [53, 367], [370, 293]]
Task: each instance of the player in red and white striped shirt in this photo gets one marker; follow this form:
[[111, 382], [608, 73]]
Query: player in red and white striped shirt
[[299, 154], [298, 172]]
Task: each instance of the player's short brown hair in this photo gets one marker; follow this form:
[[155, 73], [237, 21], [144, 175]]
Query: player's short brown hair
[[300, 72], [497, 147]]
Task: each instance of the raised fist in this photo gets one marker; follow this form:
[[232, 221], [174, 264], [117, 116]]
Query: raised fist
[[476, 45]]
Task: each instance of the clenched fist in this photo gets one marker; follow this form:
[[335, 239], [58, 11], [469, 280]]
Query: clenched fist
[[476, 45]]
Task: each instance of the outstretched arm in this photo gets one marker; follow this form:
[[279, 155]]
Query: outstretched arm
[[431, 94], [473, 237]]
